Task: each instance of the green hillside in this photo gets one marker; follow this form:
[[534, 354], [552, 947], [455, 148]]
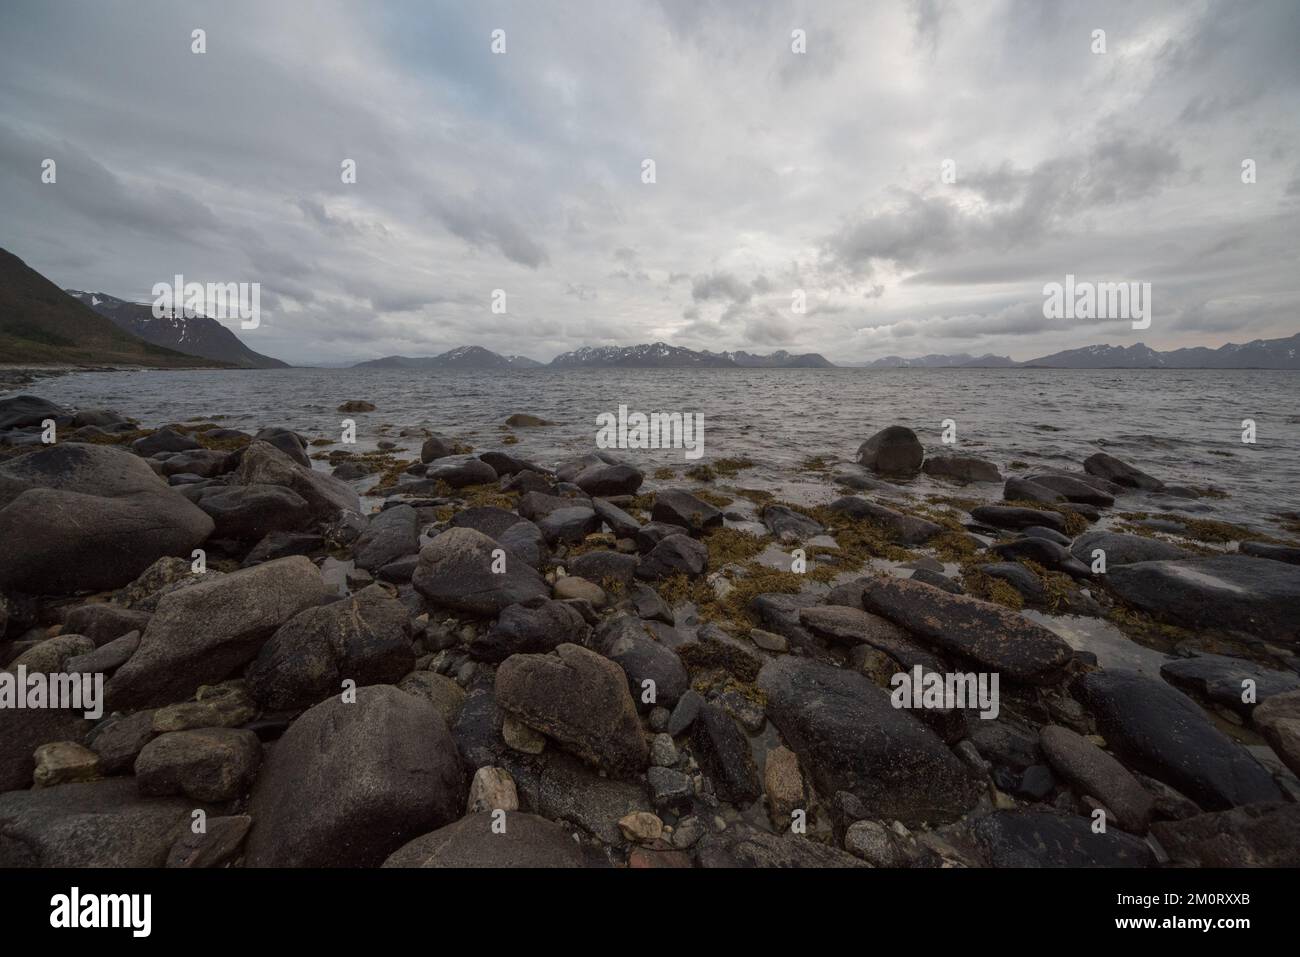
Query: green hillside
[[40, 323]]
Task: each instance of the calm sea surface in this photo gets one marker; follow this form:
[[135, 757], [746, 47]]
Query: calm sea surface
[[1182, 426]]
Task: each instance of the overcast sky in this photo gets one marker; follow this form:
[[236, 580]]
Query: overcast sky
[[775, 170]]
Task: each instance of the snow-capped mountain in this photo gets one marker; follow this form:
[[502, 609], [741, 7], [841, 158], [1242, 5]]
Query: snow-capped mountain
[[462, 357], [660, 355], [198, 336], [961, 359], [1258, 354]]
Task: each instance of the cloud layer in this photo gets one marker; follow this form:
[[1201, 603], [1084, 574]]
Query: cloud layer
[[775, 171]]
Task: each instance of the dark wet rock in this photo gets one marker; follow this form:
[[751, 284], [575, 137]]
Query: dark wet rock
[[535, 506], [963, 468], [1018, 577], [652, 533], [1260, 835], [282, 545], [506, 464], [648, 604], [93, 824], [525, 420], [530, 629], [1050, 555], [206, 764], [744, 845], [264, 464], [1124, 549], [1074, 490], [214, 848], [602, 566], [722, 750], [488, 519], [1022, 490], [1030, 838], [892, 451], [578, 698], [679, 507], [1009, 516], [1254, 595], [26, 730], [569, 525], [89, 517], [1278, 719], [250, 512], [437, 447], [859, 480], [1220, 679], [684, 714], [1051, 535], [628, 643], [365, 639], [527, 841], [670, 789], [455, 571], [1121, 473], [849, 626], [779, 613], [525, 482], [442, 692], [1278, 553], [197, 464], [849, 737], [900, 528], [620, 522], [164, 440], [22, 411], [569, 791], [1093, 772], [715, 648], [390, 535], [349, 784], [458, 471], [102, 622], [202, 633], [1162, 732], [937, 580], [525, 540], [398, 571], [981, 631], [675, 555], [780, 519], [287, 441], [119, 740], [606, 479]]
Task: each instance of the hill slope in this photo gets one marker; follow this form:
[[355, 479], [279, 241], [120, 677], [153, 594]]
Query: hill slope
[[198, 336], [39, 322]]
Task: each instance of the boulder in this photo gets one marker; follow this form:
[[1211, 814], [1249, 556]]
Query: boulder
[[1161, 732], [250, 512], [365, 638], [988, 634], [568, 525], [1222, 680], [455, 571], [1093, 772], [606, 479], [722, 750], [164, 440], [1032, 838], [620, 522], [287, 441], [201, 633], [22, 411], [962, 468], [892, 451], [578, 698], [1073, 489], [390, 535], [26, 730], [849, 737], [1049, 554], [530, 629], [1254, 595], [349, 784], [675, 506], [437, 447], [781, 520], [327, 497], [1010, 516], [899, 528], [1278, 553], [1124, 549], [488, 519], [90, 517], [460, 471], [527, 841], [208, 764], [627, 642], [674, 555], [1121, 473], [1259, 835]]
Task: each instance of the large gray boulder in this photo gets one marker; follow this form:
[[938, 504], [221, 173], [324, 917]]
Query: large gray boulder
[[988, 634], [1124, 549], [1120, 472], [962, 468], [1237, 592], [850, 737], [898, 527], [350, 783], [201, 633], [531, 629], [249, 512], [327, 497], [581, 700], [365, 638], [390, 535], [455, 571], [892, 451], [21, 411], [88, 517]]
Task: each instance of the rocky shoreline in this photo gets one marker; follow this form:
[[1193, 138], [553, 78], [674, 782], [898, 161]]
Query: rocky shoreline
[[436, 655]]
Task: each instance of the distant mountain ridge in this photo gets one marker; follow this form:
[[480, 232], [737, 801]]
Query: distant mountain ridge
[[199, 336], [1257, 354], [464, 357], [654, 355], [39, 322]]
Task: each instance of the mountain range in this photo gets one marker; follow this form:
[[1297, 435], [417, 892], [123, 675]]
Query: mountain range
[[199, 336], [465, 357]]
